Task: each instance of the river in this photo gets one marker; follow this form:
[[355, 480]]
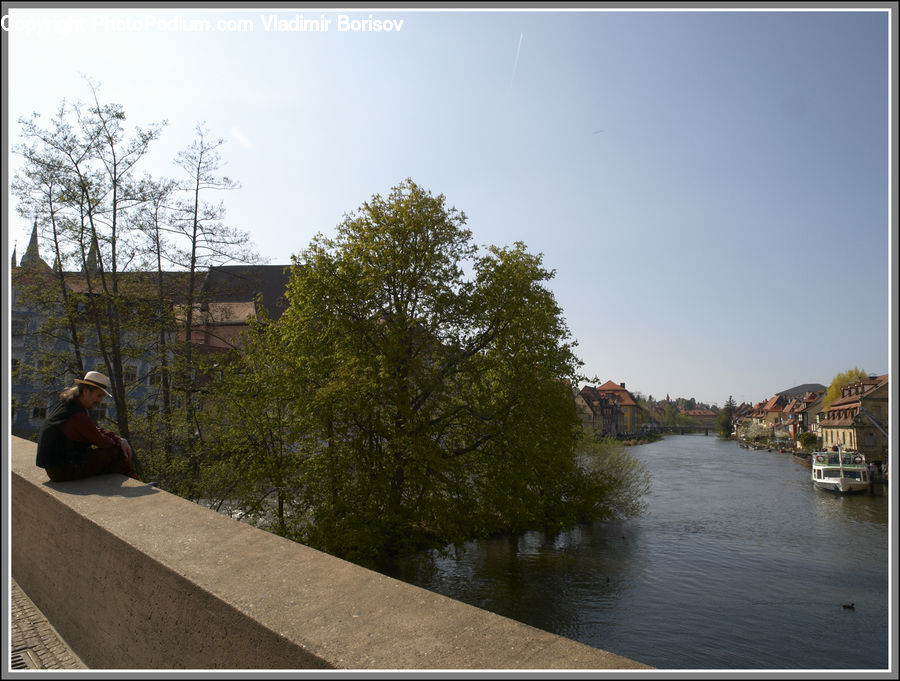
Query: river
[[738, 563]]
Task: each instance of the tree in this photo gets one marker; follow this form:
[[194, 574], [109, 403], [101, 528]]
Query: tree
[[185, 232], [754, 431], [808, 441], [207, 240], [839, 381], [725, 417], [252, 460], [158, 253], [79, 182], [435, 407], [111, 300]]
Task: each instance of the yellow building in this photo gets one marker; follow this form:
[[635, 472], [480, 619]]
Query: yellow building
[[631, 412], [858, 419]]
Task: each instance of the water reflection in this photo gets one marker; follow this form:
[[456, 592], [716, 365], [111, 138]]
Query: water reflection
[[862, 509], [536, 578]]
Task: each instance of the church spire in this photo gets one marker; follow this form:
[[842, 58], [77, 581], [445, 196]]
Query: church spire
[[32, 256], [93, 260], [13, 262]]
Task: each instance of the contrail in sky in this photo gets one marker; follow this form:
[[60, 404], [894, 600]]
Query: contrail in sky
[[516, 63]]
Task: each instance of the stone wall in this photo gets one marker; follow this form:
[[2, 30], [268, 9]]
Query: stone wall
[[135, 578]]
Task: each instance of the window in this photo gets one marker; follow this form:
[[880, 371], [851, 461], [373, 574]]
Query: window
[[130, 374], [18, 327], [39, 413], [155, 376]]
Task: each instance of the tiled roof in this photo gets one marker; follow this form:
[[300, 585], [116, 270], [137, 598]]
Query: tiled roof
[[814, 406], [231, 284], [868, 386], [623, 397], [241, 283], [174, 284], [836, 423], [772, 404], [590, 394], [700, 412]]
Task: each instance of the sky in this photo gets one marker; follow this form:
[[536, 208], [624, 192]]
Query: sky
[[710, 187]]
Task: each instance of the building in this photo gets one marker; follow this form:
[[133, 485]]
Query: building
[[773, 409], [807, 412], [599, 413], [231, 296], [43, 362], [632, 419], [705, 418], [858, 419]]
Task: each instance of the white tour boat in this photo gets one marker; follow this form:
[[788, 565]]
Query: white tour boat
[[844, 472]]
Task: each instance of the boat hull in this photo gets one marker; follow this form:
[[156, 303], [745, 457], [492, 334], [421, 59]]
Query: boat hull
[[842, 486]]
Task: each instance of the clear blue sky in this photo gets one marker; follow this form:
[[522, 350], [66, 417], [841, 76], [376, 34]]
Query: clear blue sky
[[710, 187]]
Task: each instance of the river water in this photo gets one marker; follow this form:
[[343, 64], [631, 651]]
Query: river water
[[737, 563]]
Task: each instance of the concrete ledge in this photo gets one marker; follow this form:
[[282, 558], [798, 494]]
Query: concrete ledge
[[135, 578]]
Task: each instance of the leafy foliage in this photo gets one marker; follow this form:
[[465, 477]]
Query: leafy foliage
[[725, 417], [808, 441], [839, 381], [416, 393], [409, 406], [111, 301], [617, 482]]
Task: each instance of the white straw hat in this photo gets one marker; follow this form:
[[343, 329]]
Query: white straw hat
[[95, 380]]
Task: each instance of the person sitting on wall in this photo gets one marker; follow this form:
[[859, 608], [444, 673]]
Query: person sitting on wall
[[71, 446]]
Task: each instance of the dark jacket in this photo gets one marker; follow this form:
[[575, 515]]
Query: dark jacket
[[55, 449]]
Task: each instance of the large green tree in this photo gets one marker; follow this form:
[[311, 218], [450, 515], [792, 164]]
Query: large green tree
[[434, 385], [839, 381], [725, 418]]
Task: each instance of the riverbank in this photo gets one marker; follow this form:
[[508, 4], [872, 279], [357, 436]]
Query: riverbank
[[642, 439]]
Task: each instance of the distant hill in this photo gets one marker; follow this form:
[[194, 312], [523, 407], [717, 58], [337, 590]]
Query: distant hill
[[801, 390]]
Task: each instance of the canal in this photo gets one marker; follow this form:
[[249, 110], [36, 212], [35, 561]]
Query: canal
[[737, 563]]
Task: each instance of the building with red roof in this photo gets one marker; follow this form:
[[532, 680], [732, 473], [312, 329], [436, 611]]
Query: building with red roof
[[631, 411], [858, 419]]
